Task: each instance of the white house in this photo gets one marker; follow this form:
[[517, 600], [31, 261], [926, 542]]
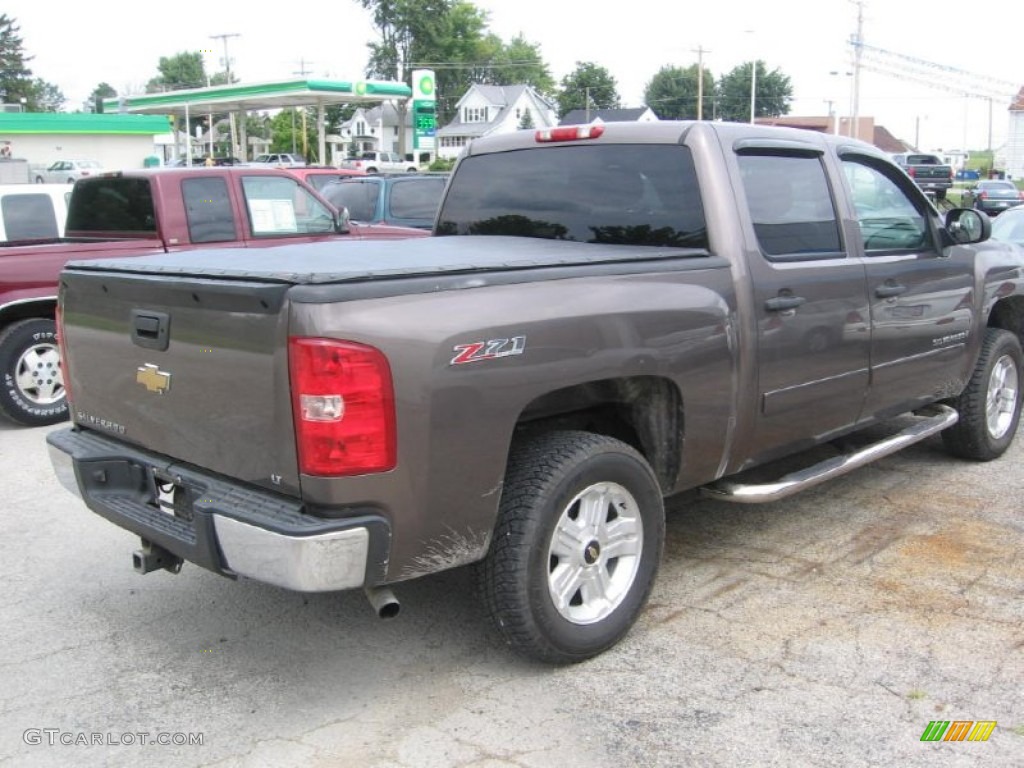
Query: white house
[[493, 109], [1013, 151], [375, 128], [586, 116]]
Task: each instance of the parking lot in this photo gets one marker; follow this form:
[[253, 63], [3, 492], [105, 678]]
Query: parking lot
[[825, 630]]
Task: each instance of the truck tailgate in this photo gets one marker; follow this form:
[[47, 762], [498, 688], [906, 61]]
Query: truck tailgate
[[184, 367]]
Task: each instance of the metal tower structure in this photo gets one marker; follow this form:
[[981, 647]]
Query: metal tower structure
[[933, 75]]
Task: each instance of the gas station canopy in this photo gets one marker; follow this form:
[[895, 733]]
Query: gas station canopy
[[239, 97]]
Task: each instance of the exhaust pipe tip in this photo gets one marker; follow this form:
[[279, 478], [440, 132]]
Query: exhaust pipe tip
[[383, 601]]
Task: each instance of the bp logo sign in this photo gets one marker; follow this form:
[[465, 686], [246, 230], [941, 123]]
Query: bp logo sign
[[426, 85], [360, 88]]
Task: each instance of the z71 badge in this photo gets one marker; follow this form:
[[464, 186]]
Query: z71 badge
[[488, 350]]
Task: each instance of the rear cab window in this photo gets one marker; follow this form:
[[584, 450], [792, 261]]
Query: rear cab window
[[416, 198], [113, 204], [622, 194], [29, 216]]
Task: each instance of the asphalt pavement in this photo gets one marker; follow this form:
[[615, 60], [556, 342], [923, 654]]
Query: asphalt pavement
[[826, 630]]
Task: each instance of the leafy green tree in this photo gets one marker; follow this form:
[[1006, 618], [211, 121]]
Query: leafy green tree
[[588, 84], [774, 92], [44, 97], [526, 121], [672, 93], [183, 70], [102, 91], [520, 61]]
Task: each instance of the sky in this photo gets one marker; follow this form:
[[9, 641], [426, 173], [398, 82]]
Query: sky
[[78, 45]]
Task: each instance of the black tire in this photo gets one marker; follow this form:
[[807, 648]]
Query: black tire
[[990, 404], [546, 479], [371, 170], [39, 179], [31, 381]]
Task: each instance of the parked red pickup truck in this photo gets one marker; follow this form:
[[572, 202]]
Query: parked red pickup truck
[[132, 213]]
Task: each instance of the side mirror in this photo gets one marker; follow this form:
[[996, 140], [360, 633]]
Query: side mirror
[[341, 222], [966, 226]]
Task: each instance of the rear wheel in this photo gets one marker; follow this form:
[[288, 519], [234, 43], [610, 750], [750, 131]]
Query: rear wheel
[[576, 548], [39, 179], [990, 405], [32, 391]]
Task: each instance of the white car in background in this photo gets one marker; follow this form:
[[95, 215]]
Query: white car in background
[[379, 162], [67, 171]]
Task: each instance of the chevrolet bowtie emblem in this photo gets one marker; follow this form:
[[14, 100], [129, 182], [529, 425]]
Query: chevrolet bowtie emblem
[[153, 379]]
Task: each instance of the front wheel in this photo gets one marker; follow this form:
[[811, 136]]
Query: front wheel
[[990, 404], [31, 379], [577, 544], [39, 179]]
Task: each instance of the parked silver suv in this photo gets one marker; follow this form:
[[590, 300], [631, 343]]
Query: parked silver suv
[[380, 162]]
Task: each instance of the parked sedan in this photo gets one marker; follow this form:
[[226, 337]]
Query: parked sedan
[[406, 200], [993, 196], [67, 171], [1009, 226]]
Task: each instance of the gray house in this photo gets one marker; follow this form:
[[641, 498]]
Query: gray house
[[587, 116]]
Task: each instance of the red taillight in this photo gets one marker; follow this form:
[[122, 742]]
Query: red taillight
[[983, 195], [569, 133], [911, 172], [65, 371], [344, 408]]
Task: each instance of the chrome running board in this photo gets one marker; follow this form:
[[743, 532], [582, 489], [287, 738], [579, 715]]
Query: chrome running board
[[936, 418]]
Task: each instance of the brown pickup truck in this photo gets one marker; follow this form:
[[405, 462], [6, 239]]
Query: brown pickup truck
[[605, 315], [144, 212]]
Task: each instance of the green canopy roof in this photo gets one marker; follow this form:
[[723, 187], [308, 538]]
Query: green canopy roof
[[252, 96], [81, 122]]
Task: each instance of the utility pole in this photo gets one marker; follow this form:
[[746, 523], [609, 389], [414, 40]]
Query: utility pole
[[302, 72], [586, 96], [699, 50], [858, 48], [227, 71]]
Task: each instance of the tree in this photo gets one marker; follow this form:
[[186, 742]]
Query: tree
[[520, 62], [15, 76], [526, 121], [44, 97], [774, 93], [102, 91], [672, 93], [183, 70], [589, 85]]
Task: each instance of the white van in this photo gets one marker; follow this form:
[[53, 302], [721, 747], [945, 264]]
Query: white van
[[33, 211]]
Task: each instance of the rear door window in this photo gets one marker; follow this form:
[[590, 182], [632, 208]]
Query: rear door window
[[790, 205], [208, 210], [623, 194]]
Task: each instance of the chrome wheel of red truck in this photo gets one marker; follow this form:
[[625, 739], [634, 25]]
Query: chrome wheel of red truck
[[990, 405], [576, 548], [33, 383]]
